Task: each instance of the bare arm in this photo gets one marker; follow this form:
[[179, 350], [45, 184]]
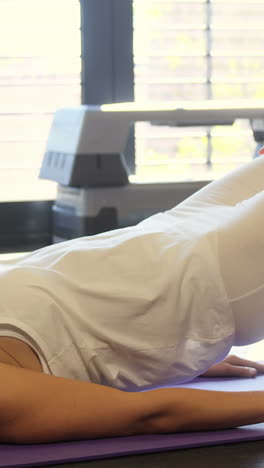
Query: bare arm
[[38, 408], [187, 410]]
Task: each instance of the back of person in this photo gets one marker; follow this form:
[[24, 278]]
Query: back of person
[[130, 308]]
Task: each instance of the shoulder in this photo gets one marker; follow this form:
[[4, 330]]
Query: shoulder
[[18, 354]]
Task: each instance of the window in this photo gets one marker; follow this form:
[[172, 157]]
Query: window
[[40, 67], [195, 50]]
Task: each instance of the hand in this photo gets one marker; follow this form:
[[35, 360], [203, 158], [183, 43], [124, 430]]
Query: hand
[[234, 366]]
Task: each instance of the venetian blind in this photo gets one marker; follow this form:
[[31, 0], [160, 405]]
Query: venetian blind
[[193, 50], [40, 66]]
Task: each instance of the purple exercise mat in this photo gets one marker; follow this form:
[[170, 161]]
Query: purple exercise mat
[[46, 454]]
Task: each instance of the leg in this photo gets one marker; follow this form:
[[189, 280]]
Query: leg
[[236, 186], [241, 243], [241, 257]]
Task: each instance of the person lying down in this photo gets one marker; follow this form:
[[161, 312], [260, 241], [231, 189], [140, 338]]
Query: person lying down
[[88, 324]]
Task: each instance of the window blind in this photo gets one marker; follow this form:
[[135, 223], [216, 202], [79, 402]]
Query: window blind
[[40, 70], [193, 50]]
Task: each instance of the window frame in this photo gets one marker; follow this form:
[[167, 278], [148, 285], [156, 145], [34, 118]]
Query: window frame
[[108, 68]]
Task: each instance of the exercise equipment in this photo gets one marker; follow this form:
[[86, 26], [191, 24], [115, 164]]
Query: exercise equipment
[[85, 156]]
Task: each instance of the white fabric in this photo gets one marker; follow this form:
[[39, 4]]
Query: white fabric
[[241, 244], [151, 304], [132, 308]]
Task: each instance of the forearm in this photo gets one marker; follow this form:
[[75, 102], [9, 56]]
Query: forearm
[[37, 408], [186, 410]]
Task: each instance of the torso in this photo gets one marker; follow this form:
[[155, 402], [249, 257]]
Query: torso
[[19, 354]]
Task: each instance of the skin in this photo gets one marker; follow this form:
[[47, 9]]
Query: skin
[[234, 366], [39, 408]]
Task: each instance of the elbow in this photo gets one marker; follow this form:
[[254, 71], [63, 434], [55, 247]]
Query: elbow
[[161, 415]]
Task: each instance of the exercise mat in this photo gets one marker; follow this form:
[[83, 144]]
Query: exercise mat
[[13, 455]]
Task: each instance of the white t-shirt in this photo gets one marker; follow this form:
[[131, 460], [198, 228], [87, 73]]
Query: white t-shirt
[[132, 308]]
